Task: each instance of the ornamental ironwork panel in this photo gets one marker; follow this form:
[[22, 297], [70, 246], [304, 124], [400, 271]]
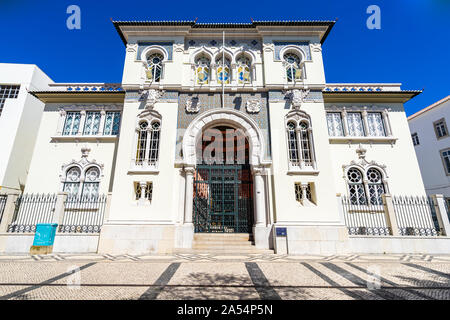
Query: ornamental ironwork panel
[[223, 199], [83, 214], [416, 216], [362, 218], [32, 209]]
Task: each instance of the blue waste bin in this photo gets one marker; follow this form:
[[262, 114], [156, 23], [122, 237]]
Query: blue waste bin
[[45, 234]]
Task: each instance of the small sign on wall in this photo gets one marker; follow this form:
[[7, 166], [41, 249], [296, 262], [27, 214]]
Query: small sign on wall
[[281, 232]]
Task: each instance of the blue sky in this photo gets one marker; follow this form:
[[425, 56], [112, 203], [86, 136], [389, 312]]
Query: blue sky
[[412, 47]]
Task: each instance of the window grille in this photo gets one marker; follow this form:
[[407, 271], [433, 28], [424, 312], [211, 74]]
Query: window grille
[[154, 63], [376, 125], [293, 71], [334, 122], [112, 123], [355, 124], [356, 187], [72, 123], [92, 123], [299, 192], [8, 92]]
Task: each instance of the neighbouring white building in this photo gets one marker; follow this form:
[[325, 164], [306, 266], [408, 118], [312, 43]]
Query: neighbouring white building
[[296, 145], [20, 115], [430, 136]]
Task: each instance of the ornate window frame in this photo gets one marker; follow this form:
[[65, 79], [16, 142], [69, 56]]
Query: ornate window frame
[[84, 165], [302, 57], [149, 116], [364, 111], [364, 166], [145, 55], [83, 110], [299, 117]]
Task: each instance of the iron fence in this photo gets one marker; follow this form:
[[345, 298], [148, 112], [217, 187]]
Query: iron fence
[[364, 219], [83, 214], [32, 209], [416, 216], [3, 199]]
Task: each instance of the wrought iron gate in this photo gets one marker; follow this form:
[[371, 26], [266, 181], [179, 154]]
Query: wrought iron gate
[[223, 199]]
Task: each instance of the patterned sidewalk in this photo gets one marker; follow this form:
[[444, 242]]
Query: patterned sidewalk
[[207, 257]]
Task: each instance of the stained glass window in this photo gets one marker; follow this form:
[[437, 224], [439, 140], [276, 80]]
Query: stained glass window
[[375, 123], [92, 123], [72, 123], [243, 70], [223, 71], [355, 124], [334, 123], [112, 123], [154, 70], [202, 70], [293, 71]]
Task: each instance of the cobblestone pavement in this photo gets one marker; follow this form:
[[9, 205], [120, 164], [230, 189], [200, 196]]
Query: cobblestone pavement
[[209, 276]]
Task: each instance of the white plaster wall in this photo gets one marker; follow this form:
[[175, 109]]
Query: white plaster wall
[[286, 208], [19, 123], [402, 168], [19, 243], [164, 206], [49, 156], [428, 151]]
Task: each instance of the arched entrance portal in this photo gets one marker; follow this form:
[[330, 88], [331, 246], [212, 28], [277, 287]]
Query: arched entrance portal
[[223, 184]]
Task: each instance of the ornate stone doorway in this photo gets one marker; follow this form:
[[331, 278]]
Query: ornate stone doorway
[[223, 184]]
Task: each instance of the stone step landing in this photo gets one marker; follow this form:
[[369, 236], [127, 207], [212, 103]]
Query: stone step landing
[[228, 243]]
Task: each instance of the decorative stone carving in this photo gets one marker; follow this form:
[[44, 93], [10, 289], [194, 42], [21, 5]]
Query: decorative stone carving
[[132, 47], [192, 105], [297, 97], [178, 47], [316, 47], [363, 163], [253, 105], [83, 164], [152, 97]]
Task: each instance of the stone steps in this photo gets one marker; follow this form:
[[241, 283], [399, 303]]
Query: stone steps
[[229, 243]]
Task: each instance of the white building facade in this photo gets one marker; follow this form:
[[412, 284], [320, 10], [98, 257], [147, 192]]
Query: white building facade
[[430, 136], [294, 145], [20, 115]]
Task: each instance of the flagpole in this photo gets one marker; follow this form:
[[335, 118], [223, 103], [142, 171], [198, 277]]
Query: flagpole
[[223, 70]]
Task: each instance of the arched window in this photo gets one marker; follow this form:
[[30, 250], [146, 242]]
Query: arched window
[[223, 71], [202, 70], [356, 186], [154, 142], [72, 181], [293, 69], [375, 186], [91, 182], [243, 70], [154, 64], [300, 142], [142, 142], [148, 137], [305, 143], [292, 143]]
